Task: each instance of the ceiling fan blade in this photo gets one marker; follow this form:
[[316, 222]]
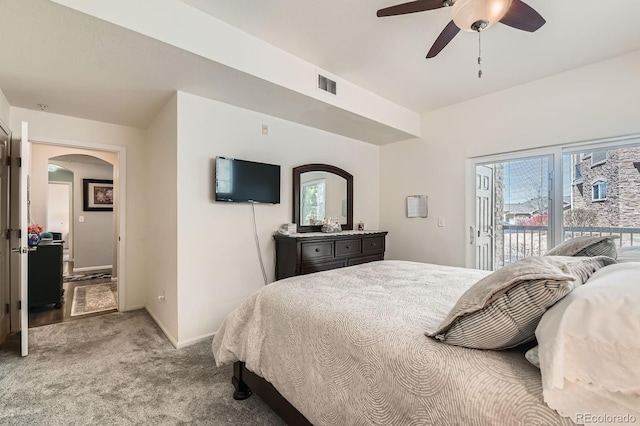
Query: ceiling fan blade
[[443, 39], [523, 17], [410, 7]]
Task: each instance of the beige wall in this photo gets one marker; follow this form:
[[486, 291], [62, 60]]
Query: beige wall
[[49, 127], [217, 259], [596, 101], [162, 224]]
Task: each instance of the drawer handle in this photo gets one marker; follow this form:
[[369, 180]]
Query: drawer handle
[[346, 247], [373, 244], [317, 250]]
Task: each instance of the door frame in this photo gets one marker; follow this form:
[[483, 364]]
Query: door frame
[[5, 279], [120, 208]]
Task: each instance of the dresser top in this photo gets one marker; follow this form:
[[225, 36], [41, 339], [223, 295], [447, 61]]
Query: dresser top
[[329, 234]]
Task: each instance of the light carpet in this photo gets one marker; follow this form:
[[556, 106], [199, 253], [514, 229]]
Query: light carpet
[[92, 298], [118, 369]]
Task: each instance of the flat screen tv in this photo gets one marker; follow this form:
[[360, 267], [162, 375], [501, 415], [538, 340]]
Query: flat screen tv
[[247, 181]]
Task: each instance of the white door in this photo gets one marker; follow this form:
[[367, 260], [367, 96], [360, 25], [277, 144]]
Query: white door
[[484, 218], [19, 221], [25, 156]]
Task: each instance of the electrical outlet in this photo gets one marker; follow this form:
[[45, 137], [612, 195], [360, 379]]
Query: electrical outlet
[[441, 222], [265, 130], [80, 218], [161, 297]]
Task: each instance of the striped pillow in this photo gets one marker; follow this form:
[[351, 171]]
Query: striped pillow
[[586, 246], [503, 309]]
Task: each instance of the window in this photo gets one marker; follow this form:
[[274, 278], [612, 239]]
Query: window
[[539, 198], [599, 191], [313, 201], [224, 181]]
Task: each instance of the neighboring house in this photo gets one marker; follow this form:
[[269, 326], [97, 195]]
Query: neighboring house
[[608, 182], [521, 213], [518, 213]]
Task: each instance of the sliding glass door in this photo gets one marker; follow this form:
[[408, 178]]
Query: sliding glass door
[[520, 210], [512, 205]]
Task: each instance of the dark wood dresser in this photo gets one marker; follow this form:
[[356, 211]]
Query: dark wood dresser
[[299, 254], [45, 275]]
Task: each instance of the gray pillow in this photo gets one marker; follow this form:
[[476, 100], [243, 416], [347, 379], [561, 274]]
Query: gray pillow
[[586, 246], [503, 309]]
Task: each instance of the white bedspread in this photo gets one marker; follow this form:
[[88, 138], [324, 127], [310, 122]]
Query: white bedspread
[[347, 347]]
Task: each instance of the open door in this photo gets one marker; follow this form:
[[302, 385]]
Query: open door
[[484, 218], [19, 235]]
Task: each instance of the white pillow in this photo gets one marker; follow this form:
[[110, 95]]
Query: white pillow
[[589, 345], [629, 254]]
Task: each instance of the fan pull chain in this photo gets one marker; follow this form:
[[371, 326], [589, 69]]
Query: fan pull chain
[[479, 56]]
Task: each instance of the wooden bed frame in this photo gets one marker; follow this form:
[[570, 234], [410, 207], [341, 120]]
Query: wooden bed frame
[[246, 383]]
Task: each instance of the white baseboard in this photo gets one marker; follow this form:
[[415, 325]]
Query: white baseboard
[[164, 329], [132, 308], [194, 340], [92, 268]]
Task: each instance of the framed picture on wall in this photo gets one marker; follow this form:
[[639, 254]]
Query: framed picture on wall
[[97, 195]]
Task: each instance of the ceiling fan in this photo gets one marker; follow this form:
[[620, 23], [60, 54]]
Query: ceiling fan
[[472, 16]]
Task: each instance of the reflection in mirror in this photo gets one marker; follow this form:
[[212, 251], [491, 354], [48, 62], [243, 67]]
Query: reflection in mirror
[[323, 196], [321, 191]]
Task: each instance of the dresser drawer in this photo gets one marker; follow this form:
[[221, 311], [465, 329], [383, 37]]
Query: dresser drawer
[[304, 254], [310, 251], [322, 266], [371, 245], [364, 259], [347, 247]]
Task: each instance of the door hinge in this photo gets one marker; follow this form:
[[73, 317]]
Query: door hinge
[[7, 308], [19, 304], [8, 233], [9, 160], [19, 161]]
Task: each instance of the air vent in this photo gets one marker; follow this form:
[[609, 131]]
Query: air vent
[[327, 85]]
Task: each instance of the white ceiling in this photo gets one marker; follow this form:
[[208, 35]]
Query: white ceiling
[[387, 55], [85, 67]]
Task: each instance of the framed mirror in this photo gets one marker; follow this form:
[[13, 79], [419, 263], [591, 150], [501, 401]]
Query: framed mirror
[[320, 192]]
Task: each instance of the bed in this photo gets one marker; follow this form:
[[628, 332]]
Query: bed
[[348, 347]]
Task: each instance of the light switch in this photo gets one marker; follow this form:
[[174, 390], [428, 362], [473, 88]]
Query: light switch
[[441, 222], [80, 218]]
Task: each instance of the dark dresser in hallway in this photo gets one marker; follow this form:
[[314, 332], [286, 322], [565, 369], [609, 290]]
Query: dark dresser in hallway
[[45, 275]]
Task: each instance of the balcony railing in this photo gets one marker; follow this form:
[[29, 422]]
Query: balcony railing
[[524, 241]]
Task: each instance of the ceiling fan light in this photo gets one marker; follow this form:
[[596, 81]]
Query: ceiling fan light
[[466, 13]]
